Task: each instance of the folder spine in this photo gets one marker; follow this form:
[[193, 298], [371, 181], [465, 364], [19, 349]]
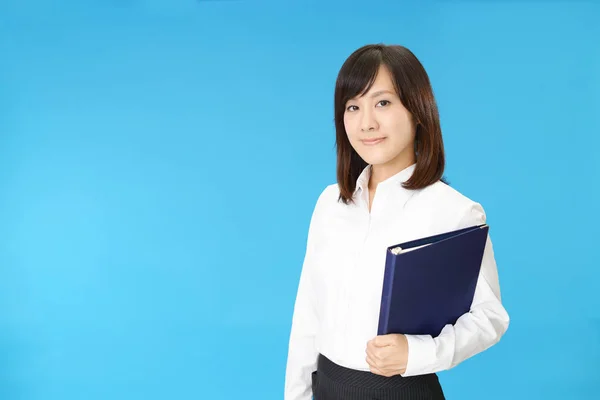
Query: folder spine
[[386, 293]]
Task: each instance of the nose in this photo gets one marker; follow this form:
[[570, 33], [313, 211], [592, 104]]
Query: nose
[[368, 122]]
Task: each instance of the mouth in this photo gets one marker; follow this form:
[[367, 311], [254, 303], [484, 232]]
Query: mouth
[[373, 141]]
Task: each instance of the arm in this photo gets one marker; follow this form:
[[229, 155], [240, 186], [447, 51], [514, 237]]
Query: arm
[[474, 331], [302, 352]]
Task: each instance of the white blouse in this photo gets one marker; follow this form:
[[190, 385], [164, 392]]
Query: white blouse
[[338, 300]]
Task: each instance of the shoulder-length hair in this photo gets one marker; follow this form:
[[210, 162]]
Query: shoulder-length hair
[[413, 87]]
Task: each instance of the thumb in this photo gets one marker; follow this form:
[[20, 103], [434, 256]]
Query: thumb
[[382, 340]]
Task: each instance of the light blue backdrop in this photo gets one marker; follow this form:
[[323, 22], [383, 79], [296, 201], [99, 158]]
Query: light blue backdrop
[[159, 161]]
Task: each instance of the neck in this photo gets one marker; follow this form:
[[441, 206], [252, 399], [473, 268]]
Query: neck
[[382, 172]]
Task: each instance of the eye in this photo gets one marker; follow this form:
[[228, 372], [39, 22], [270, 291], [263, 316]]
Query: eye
[[384, 101], [349, 108]]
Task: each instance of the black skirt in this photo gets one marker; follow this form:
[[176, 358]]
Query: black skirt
[[334, 382]]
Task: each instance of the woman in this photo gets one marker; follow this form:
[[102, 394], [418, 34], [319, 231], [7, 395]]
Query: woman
[[389, 190]]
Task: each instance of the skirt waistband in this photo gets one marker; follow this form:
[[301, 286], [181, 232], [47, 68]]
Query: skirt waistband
[[367, 379]]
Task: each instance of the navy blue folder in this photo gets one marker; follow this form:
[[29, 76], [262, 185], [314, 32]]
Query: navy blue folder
[[430, 282]]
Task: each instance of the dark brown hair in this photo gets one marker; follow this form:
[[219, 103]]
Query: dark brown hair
[[413, 87]]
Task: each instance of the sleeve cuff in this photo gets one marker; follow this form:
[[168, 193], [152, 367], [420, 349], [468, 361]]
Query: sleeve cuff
[[421, 355]]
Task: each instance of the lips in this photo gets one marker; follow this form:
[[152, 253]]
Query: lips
[[373, 141]]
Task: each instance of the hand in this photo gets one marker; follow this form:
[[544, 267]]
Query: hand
[[387, 355]]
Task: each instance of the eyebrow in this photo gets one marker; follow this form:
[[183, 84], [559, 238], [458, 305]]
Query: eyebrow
[[380, 92]]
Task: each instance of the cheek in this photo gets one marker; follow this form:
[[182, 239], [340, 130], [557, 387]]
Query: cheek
[[350, 127], [401, 127], [347, 124]]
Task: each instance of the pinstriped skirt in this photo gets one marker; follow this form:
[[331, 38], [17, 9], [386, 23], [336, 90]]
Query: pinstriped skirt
[[334, 382]]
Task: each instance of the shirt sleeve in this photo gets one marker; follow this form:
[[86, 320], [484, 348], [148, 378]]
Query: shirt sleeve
[[302, 352], [473, 332]]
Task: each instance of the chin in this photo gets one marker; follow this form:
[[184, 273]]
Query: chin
[[383, 155], [376, 160], [375, 157]]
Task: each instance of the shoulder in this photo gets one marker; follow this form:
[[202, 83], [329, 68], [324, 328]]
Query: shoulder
[[445, 203], [328, 196], [321, 209]]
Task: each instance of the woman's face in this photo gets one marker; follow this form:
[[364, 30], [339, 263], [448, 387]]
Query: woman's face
[[378, 126]]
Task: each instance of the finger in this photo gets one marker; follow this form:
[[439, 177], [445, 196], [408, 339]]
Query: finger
[[377, 371], [371, 345], [374, 355], [372, 350], [377, 355], [371, 362], [389, 372], [384, 369], [382, 341]]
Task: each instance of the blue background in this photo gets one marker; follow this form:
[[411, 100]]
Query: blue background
[[159, 162]]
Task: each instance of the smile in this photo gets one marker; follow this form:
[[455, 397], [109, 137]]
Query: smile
[[374, 141]]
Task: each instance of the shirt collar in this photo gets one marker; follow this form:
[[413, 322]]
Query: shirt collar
[[399, 178]]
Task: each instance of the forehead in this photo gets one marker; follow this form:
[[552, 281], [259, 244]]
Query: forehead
[[383, 80]]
